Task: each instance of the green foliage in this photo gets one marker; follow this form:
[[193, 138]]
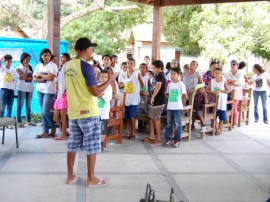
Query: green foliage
[[36, 118], [176, 27], [105, 28], [221, 30]]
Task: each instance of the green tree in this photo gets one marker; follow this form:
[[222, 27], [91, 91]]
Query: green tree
[[176, 27], [104, 21], [107, 29], [222, 30]]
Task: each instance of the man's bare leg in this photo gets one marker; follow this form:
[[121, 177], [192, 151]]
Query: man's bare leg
[[70, 164], [91, 178], [158, 128]]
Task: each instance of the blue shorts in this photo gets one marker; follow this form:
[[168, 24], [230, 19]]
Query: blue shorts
[[85, 135], [221, 115], [130, 111]]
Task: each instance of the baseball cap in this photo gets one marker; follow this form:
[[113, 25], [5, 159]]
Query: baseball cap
[[198, 86], [83, 44]]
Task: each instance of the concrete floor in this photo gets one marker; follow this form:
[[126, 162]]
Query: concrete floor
[[232, 167]]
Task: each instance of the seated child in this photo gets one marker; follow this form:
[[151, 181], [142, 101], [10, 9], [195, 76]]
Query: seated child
[[200, 98], [104, 105]]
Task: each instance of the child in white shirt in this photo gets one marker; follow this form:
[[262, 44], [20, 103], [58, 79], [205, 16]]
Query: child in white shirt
[[104, 105], [177, 91], [219, 87]]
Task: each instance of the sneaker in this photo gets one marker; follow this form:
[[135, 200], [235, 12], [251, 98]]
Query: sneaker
[[256, 120], [175, 144], [266, 122], [203, 129], [167, 144]]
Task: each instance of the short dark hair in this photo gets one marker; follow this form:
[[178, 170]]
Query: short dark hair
[[242, 64], [234, 61], [132, 59], [105, 71], [114, 56], [213, 63], [158, 64], [106, 55], [7, 57], [45, 50], [143, 64], [218, 69], [147, 57], [123, 63], [66, 55], [168, 66], [258, 68], [186, 66], [176, 69]]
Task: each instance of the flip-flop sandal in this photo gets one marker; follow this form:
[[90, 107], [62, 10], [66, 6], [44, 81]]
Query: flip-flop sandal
[[60, 138], [99, 184], [132, 137], [217, 133], [74, 180], [155, 141], [147, 139], [39, 136]]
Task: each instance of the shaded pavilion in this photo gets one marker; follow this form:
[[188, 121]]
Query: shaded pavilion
[[53, 36]]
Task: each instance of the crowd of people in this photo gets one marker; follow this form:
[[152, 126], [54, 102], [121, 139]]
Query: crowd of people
[[81, 90]]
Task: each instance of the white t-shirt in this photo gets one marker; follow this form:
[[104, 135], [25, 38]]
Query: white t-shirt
[[260, 81], [47, 86], [176, 90], [237, 87], [104, 103], [8, 78], [222, 97], [25, 85], [145, 80], [168, 77], [132, 89]]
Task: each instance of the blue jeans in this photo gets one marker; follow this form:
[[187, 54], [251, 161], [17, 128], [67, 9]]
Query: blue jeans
[[174, 120], [46, 102], [7, 98], [27, 96], [256, 95]]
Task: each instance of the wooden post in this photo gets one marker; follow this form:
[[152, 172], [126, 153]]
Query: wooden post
[[177, 54], [53, 33], [156, 36]]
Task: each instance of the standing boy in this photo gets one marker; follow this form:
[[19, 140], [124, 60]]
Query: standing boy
[[177, 91], [133, 84], [104, 100], [219, 87]]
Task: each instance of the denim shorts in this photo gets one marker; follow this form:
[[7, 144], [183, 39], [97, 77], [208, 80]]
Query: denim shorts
[[104, 126], [85, 135]]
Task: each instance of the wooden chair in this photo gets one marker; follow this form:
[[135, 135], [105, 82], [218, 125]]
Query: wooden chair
[[115, 123], [209, 115], [229, 112], [244, 107], [4, 122], [187, 117]]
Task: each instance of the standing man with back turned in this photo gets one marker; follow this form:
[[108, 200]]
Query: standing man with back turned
[[84, 120]]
